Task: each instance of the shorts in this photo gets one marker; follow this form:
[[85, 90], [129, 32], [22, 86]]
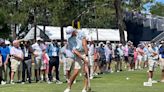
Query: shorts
[[145, 58], [78, 63], [91, 60], [162, 63], [37, 63], [151, 64], [117, 59], [69, 63], [130, 60], [109, 58], [19, 66], [139, 58], [44, 67], [102, 62], [14, 64], [126, 59]]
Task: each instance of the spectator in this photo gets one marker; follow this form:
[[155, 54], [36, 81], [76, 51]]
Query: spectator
[[161, 59], [16, 57], [140, 54], [1, 69], [117, 59], [53, 53], [102, 60], [44, 65], [63, 59], [145, 57], [125, 50], [96, 59], [69, 61], [108, 54], [130, 57], [27, 62], [121, 54], [5, 51], [37, 60], [135, 57], [153, 57], [91, 57]]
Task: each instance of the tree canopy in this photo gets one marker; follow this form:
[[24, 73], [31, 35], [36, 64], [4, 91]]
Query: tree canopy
[[99, 13], [157, 9]]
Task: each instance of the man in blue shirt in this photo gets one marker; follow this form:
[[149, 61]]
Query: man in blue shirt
[[53, 53], [0, 68], [161, 57], [102, 59], [5, 51]]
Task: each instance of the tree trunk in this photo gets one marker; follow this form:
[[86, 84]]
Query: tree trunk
[[14, 32], [15, 25], [44, 29], [35, 31], [119, 16], [44, 22], [62, 36], [35, 25]]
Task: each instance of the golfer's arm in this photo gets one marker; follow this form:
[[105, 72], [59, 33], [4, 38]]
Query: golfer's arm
[[77, 53], [84, 43]]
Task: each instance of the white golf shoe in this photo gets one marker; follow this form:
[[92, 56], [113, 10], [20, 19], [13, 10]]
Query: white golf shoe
[[84, 90], [67, 90]]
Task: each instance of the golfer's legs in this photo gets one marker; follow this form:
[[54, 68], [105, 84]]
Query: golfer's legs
[[73, 77]]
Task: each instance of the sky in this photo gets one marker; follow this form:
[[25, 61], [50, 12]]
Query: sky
[[160, 1]]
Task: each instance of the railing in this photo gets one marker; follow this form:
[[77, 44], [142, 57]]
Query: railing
[[158, 38]]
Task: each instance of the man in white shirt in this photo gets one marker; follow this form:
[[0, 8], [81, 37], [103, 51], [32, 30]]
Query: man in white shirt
[[38, 54], [153, 57], [108, 55], [91, 57]]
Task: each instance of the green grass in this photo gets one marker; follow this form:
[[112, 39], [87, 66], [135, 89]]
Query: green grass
[[115, 82]]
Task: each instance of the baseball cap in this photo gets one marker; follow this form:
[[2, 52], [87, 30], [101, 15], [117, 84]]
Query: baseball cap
[[107, 42], [7, 42], [101, 43], [162, 42], [69, 31]]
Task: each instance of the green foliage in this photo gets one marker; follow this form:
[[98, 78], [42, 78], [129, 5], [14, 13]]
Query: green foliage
[[157, 9], [5, 31], [2, 17], [62, 12]]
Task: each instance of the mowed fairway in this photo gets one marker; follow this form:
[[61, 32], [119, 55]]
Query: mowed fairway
[[115, 82]]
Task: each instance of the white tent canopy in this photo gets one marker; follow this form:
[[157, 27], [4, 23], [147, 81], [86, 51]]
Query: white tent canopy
[[30, 34], [103, 34], [55, 33]]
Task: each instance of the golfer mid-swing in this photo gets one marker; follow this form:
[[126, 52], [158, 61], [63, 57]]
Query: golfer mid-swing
[[78, 45]]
